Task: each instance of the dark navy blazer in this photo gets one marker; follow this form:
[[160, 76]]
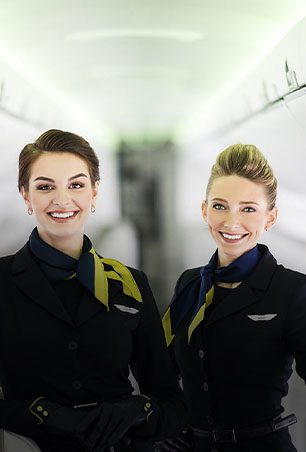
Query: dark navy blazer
[[236, 368], [43, 352]]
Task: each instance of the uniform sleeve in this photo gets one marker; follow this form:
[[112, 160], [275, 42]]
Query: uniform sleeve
[[154, 372], [295, 336], [14, 414]]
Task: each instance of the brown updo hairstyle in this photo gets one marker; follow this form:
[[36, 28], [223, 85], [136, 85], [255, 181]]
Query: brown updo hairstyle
[[245, 160], [55, 140]]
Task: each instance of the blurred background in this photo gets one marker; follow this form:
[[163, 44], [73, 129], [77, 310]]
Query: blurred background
[[159, 88]]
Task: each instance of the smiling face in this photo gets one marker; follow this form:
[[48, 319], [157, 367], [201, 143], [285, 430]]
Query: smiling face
[[237, 213], [61, 195]]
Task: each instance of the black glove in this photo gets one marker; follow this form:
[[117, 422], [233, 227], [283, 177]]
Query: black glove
[[180, 443], [95, 428], [116, 419]]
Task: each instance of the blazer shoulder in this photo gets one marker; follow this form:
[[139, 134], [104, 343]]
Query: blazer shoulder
[[144, 286], [191, 272], [141, 278], [136, 273], [6, 269], [188, 275], [6, 261], [289, 274]]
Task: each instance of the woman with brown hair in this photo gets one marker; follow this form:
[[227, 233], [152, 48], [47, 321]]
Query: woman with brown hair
[[72, 323], [235, 324]]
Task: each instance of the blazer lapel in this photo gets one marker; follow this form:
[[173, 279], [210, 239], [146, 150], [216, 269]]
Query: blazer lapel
[[249, 292], [29, 278], [241, 297], [89, 307]]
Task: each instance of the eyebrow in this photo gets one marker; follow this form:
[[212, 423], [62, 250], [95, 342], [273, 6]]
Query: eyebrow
[[241, 202], [48, 179]]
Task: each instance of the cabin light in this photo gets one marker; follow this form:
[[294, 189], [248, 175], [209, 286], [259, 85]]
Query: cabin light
[[139, 72], [177, 35]]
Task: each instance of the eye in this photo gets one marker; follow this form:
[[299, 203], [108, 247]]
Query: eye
[[76, 185], [44, 187], [249, 209], [218, 206]]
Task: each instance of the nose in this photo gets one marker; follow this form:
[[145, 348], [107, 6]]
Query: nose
[[232, 220], [61, 198]]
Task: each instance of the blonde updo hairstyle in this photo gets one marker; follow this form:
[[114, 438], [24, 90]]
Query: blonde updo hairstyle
[[245, 160]]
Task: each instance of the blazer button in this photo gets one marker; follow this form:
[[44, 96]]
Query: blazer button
[[205, 387], [72, 345], [201, 353], [76, 384]]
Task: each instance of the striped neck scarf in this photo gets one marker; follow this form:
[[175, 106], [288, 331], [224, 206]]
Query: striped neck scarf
[[198, 294], [92, 271]]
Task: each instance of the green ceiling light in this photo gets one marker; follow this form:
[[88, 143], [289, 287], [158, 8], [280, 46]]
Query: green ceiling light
[[177, 35], [152, 72]]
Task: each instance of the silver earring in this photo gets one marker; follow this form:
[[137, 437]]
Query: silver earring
[[30, 211], [92, 209], [266, 228]]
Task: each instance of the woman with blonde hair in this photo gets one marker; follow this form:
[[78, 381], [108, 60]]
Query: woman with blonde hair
[[236, 324]]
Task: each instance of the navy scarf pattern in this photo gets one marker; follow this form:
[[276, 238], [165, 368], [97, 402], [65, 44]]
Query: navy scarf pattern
[[198, 294]]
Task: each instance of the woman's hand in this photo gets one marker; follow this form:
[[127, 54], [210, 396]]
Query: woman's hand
[[115, 419], [96, 428]]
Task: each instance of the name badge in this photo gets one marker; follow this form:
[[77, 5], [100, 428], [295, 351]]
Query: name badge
[[261, 317], [128, 309]]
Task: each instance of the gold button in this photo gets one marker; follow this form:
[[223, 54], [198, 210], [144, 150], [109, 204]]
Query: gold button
[[39, 408], [45, 413], [148, 405]]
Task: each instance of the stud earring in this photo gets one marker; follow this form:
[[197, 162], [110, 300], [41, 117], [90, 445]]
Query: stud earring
[[92, 209], [30, 211], [266, 228]]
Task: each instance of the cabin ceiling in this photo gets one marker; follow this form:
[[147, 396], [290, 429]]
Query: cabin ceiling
[[139, 67]]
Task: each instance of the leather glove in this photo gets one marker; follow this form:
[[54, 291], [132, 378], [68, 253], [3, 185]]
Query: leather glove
[[95, 428], [180, 443], [116, 419]]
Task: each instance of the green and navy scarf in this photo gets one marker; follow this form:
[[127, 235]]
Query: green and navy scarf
[[91, 270], [198, 294]]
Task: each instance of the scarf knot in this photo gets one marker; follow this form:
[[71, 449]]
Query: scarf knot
[[91, 270], [198, 294]]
